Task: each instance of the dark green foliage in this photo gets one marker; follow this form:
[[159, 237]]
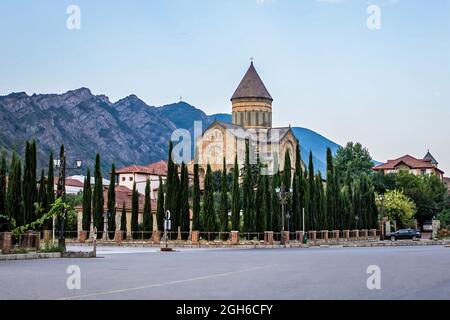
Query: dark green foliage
[[135, 212], [3, 172], [383, 182], [331, 194], [266, 203], [112, 203], [175, 206], [210, 220], [322, 223], [275, 217], [160, 210], [97, 198], [247, 193], [311, 205], [42, 195], [29, 183], [14, 206], [236, 199], [147, 224], [87, 202], [184, 217], [354, 160], [123, 220], [223, 209], [48, 225], [171, 188], [260, 214]]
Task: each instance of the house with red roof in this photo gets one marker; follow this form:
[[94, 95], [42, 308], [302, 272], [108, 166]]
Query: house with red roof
[[426, 166], [127, 176]]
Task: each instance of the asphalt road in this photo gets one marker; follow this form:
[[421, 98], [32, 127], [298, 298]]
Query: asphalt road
[[321, 273]]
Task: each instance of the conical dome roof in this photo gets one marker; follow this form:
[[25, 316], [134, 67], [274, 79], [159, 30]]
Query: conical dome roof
[[251, 86]]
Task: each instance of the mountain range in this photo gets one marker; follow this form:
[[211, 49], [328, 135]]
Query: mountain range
[[124, 132]]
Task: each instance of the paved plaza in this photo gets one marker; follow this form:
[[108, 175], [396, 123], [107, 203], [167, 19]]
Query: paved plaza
[[319, 273]]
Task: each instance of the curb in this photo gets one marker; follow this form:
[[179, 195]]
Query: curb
[[30, 256]]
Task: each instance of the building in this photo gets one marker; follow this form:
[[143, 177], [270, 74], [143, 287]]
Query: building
[[127, 176], [426, 166], [252, 124]]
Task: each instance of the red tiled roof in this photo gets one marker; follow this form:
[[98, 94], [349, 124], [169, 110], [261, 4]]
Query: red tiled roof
[[123, 194], [157, 168], [70, 183], [408, 161]]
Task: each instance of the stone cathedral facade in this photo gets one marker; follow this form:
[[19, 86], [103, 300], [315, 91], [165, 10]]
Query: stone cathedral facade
[[252, 125]]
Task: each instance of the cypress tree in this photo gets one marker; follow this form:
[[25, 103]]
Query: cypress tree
[[14, 206], [320, 203], [296, 205], [29, 183], [42, 194], [135, 212], [87, 202], [331, 202], [160, 214], [170, 184], [184, 203], [175, 205], [223, 210], [276, 206], [236, 199], [147, 224], [208, 202], [311, 201], [48, 225], [3, 191], [196, 200], [347, 207], [260, 214], [98, 199], [112, 203], [247, 199], [287, 174], [123, 220], [266, 203]]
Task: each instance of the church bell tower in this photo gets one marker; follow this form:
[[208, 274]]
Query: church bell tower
[[252, 103]]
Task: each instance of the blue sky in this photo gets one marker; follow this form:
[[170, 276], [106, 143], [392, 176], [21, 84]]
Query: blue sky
[[387, 88]]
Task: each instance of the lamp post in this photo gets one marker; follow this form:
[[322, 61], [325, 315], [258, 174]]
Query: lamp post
[[284, 195], [356, 220], [105, 226], [60, 165]]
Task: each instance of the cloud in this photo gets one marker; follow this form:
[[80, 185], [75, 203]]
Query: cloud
[[330, 1]]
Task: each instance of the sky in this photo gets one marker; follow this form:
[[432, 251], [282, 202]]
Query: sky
[[388, 87]]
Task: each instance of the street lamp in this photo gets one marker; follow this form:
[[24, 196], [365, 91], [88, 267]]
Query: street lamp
[[284, 195], [60, 165], [356, 220]]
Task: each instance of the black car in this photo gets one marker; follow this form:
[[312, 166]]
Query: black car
[[404, 234]]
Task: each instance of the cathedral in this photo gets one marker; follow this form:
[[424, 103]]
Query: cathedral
[[251, 125]]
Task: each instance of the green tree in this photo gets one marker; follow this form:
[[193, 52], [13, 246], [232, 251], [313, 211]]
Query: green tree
[[331, 195], [320, 203], [160, 214], [276, 206], [170, 196], [353, 159], [247, 193], [223, 210], [444, 217], [298, 192], [184, 203], [48, 225], [347, 205], [208, 202], [398, 207], [236, 199], [135, 212], [29, 183], [311, 205], [3, 173], [123, 220], [266, 203], [112, 203], [42, 195], [14, 206], [260, 218], [98, 199], [175, 206], [147, 224], [87, 202]]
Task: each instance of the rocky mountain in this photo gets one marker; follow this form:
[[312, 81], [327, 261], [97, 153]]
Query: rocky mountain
[[128, 131]]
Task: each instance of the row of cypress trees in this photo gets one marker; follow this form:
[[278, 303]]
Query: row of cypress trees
[[24, 198], [335, 204]]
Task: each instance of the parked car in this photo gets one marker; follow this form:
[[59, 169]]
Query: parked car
[[404, 234]]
